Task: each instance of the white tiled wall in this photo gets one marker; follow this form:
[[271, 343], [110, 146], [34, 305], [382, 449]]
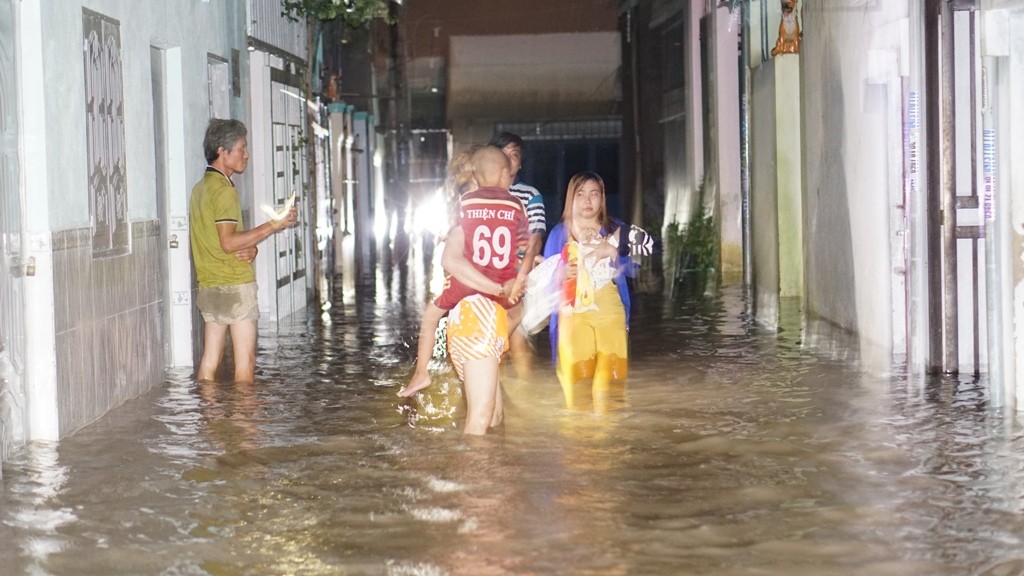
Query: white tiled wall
[[108, 324]]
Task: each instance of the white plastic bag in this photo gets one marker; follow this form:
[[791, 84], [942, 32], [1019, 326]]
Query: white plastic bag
[[543, 293]]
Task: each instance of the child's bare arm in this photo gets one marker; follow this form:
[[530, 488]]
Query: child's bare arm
[[529, 260]]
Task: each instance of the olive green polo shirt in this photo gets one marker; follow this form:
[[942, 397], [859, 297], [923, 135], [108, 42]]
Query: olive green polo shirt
[[215, 201]]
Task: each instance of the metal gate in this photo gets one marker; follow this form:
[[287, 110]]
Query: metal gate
[[280, 167], [291, 176], [957, 282], [12, 311], [280, 148]]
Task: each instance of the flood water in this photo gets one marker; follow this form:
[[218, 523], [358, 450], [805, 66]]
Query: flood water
[[736, 451]]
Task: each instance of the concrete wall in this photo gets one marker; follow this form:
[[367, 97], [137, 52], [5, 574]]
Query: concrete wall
[[429, 25], [683, 121], [198, 28], [764, 223], [108, 324], [776, 188], [1015, 181], [789, 168], [516, 77], [94, 326], [849, 69], [1007, 56], [727, 141]]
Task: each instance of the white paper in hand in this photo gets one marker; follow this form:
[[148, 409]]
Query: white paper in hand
[[279, 214]]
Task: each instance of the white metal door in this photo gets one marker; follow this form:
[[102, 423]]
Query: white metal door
[[291, 176], [279, 167]]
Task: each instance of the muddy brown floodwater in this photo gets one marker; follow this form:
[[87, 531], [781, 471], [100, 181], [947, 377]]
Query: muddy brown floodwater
[[735, 451]]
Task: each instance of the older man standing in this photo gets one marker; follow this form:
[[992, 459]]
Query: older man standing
[[223, 251]]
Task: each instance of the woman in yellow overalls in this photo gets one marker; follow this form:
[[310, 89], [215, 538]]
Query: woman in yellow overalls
[[589, 329]]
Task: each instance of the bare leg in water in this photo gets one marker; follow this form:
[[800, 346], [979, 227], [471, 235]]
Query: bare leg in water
[[482, 392], [518, 346]]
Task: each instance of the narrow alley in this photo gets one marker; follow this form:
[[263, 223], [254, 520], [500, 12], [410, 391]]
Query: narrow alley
[[816, 218]]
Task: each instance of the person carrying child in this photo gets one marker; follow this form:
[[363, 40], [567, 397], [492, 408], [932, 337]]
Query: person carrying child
[[491, 235]]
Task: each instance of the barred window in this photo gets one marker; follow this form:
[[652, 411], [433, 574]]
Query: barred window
[[104, 132]]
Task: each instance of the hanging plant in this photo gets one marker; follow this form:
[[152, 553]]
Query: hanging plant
[[732, 4], [354, 13]]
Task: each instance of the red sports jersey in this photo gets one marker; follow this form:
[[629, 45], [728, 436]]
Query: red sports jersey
[[495, 227]]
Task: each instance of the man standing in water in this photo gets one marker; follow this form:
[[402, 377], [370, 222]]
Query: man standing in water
[[533, 202], [223, 251]]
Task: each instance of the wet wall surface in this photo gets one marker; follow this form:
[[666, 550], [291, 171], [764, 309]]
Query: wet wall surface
[[733, 451]]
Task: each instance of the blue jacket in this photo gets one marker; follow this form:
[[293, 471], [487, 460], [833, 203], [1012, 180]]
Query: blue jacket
[[557, 238]]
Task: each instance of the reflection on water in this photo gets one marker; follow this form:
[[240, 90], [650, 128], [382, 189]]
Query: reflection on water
[[38, 521], [735, 451]]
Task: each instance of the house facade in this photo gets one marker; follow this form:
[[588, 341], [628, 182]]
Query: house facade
[[859, 160], [105, 104]]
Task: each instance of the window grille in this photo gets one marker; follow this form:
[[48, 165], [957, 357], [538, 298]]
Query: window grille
[[593, 129], [104, 132]]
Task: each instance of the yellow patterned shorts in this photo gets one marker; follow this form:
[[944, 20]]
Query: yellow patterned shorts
[[477, 329]]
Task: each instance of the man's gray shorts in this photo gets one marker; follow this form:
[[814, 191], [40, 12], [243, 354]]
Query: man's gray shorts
[[228, 304]]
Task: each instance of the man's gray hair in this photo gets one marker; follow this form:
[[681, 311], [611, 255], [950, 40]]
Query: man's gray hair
[[221, 134]]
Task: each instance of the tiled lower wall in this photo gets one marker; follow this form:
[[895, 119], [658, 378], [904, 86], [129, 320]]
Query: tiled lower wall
[[108, 321]]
